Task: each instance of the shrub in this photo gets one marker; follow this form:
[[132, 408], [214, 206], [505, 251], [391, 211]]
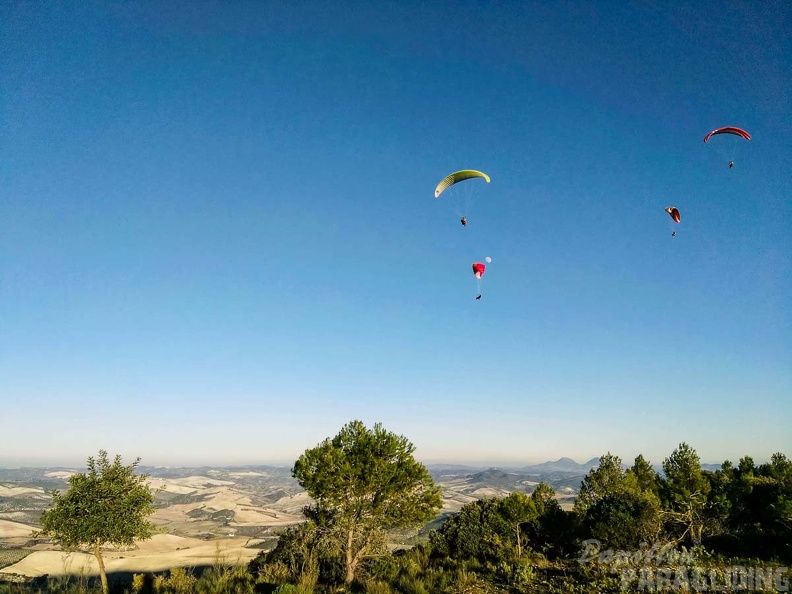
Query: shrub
[[226, 580]]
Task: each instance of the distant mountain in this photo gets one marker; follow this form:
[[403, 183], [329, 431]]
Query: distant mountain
[[712, 467], [496, 478], [440, 469], [185, 471], [561, 465], [658, 468]]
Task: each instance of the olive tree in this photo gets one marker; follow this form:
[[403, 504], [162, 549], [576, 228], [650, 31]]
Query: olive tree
[[108, 504]]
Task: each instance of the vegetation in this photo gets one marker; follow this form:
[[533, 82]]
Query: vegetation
[[712, 520], [631, 530], [365, 482], [106, 505]]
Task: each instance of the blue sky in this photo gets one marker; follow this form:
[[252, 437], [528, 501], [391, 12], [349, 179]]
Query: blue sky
[[219, 240]]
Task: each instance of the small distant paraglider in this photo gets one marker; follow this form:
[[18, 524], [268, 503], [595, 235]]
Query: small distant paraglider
[[673, 212], [729, 130], [478, 272], [461, 199]]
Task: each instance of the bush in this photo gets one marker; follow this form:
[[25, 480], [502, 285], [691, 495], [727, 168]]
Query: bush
[[272, 573], [225, 580], [383, 568], [291, 589], [411, 584], [377, 587]]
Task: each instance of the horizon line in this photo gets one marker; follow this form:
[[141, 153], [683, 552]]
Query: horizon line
[[43, 465]]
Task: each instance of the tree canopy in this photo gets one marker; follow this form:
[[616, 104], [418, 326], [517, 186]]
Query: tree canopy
[[108, 504], [364, 482]]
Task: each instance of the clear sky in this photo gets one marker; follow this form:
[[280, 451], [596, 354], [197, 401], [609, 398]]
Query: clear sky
[[219, 240]]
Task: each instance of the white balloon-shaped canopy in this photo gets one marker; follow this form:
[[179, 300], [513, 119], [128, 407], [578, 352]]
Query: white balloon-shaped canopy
[[488, 259]]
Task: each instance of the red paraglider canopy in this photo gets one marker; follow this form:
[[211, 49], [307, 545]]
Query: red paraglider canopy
[[478, 269], [728, 130], [674, 212]]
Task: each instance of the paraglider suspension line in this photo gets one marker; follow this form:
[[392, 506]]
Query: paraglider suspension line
[[461, 197]]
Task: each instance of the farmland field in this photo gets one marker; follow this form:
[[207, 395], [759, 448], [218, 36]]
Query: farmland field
[[11, 556]]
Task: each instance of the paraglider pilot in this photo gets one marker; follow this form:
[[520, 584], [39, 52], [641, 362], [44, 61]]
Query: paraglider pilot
[[463, 220], [478, 298], [731, 164]]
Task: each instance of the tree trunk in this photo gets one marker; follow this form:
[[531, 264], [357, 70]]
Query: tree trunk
[[696, 532], [519, 542], [350, 558], [102, 574]]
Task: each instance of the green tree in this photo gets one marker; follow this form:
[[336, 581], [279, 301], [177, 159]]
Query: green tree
[[774, 493], [756, 506], [720, 498], [606, 478], [645, 476], [297, 557], [625, 518], [108, 504], [544, 499], [366, 482], [518, 510], [554, 531], [686, 489], [471, 533]]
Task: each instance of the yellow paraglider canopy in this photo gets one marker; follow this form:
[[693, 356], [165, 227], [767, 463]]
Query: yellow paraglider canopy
[[458, 176]]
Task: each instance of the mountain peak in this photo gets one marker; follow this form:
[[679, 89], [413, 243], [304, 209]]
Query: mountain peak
[[563, 464]]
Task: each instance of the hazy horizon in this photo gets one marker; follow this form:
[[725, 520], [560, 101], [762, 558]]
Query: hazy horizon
[[53, 462]]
